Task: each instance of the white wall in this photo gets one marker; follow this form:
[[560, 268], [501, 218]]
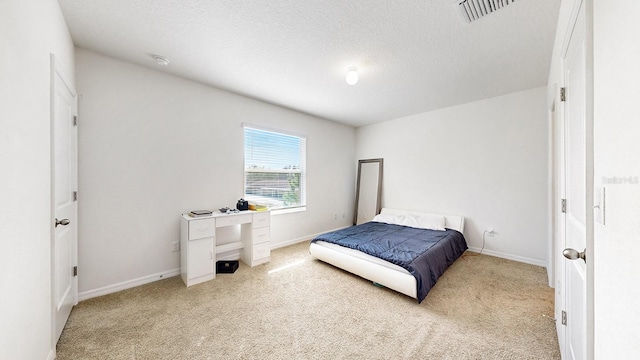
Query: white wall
[[485, 160], [29, 32], [153, 146], [616, 54]]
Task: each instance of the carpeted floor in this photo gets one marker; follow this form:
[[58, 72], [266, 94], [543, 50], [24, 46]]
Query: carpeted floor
[[296, 307]]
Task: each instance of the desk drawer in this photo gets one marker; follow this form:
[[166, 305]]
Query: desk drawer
[[203, 228], [261, 220], [260, 235], [228, 220], [261, 251]]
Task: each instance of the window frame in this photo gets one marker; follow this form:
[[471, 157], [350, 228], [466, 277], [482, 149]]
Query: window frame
[[302, 171]]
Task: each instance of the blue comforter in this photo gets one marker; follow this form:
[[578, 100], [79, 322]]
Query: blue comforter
[[426, 254]]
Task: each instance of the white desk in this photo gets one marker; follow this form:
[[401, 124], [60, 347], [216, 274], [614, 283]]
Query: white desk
[[198, 246]]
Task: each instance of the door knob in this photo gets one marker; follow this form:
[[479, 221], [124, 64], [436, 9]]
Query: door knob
[[63, 222], [573, 254]]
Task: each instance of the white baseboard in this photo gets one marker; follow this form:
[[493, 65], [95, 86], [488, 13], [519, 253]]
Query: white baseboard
[[474, 249], [109, 289], [52, 354], [521, 259], [304, 238]]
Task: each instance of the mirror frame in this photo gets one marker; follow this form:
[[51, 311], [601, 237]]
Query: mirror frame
[[380, 162]]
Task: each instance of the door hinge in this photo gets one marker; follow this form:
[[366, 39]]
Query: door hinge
[[564, 317], [563, 95], [75, 120], [75, 196], [564, 205], [75, 271]]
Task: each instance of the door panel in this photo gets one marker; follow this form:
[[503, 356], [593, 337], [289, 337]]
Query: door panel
[[64, 167], [200, 257], [576, 191], [576, 324]]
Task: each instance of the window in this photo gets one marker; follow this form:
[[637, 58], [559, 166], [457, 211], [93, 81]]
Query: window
[[274, 168]]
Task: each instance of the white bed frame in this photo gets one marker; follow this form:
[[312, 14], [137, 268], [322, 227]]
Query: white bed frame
[[390, 276]]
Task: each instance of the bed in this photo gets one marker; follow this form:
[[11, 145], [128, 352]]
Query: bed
[[406, 251]]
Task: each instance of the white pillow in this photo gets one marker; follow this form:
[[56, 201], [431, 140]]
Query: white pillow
[[432, 222], [408, 220], [387, 219]]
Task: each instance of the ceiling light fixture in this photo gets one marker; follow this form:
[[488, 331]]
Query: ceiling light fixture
[[352, 75], [161, 60]]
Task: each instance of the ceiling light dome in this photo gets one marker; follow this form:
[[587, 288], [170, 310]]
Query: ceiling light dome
[[352, 75]]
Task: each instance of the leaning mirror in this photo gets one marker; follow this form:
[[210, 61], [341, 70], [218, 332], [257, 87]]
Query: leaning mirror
[[368, 190]]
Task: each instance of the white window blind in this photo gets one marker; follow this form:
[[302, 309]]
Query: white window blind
[[274, 168]]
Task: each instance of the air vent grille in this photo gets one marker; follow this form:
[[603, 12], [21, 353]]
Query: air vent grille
[[472, 10]]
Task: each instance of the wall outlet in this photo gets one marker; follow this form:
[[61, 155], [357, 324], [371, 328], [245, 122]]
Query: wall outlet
[[491, 232], [335, 216], [175, 246]]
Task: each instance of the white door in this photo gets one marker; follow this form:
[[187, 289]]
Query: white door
[[64, 177], [576, 172]]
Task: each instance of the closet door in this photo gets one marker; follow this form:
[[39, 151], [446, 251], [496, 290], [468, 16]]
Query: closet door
[[64, 144], [578, 164]]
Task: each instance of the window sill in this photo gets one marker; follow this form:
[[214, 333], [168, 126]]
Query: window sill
[[288, 211]]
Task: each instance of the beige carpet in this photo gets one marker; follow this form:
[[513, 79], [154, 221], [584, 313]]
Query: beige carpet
[[482, 308]]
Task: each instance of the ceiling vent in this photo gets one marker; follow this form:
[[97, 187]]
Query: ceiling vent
[[472, 10]]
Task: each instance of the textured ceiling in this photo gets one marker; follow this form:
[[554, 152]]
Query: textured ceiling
[[412, 55]]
